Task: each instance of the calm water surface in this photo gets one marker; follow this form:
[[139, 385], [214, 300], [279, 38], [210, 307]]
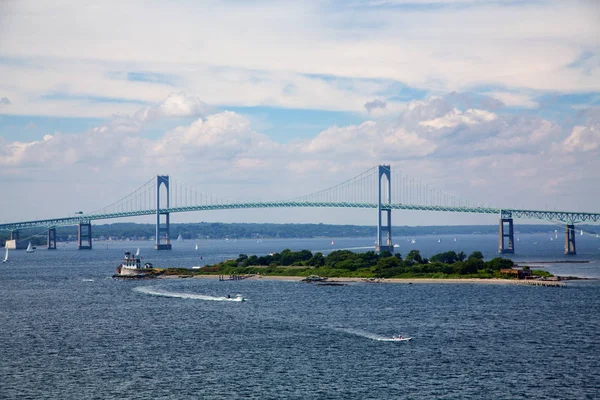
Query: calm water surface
[[69, 331]]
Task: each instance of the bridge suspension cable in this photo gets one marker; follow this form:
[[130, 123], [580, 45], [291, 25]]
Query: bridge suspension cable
[[142, 198]]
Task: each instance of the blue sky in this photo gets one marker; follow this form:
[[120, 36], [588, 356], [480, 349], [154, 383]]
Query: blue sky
[[467, 96]]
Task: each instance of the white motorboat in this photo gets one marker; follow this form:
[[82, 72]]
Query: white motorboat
[[400, 339]]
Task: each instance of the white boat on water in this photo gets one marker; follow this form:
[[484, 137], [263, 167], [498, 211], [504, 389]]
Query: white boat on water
[[5, 256], [132, 266], [400, 339], [137, 252], [196, 246], [179, 238], [29, 248]]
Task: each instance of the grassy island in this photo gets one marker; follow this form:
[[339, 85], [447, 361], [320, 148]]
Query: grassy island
[[348, 264]]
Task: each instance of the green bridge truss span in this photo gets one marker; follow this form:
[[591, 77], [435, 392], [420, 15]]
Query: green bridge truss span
[[563, 216]]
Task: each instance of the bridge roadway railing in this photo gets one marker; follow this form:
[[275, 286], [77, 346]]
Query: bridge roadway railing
[[564, 216]]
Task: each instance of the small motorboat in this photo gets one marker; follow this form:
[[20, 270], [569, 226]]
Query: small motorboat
[[400, 338]]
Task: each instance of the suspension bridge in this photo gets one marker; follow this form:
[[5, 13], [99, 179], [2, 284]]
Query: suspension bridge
[[375, 188]]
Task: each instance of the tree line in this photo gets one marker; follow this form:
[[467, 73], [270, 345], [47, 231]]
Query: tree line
[[345, 263]]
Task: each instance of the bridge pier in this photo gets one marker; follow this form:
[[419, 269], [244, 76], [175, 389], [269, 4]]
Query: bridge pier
[[506, 231], [52, 239], [14, 242], [570, 240], [384, 170], [84, 236], [162, 180]]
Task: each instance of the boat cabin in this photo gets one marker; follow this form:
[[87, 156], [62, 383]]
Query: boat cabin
[[130, 261]]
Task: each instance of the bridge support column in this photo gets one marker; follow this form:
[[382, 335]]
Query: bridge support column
[[84, 236], [52, 239], [162, 180], [506, 231], [14, 242], [570, 240], [385, 198]]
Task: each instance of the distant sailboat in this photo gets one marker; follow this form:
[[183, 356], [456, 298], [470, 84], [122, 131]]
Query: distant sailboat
[[196, 246], [5, 255], [137, 252], [581, 232], [455, 239], [332, 242], [29, 248], [439, 240], [179, 238]]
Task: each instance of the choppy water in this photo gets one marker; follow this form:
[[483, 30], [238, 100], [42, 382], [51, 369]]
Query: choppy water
[[69, 331]]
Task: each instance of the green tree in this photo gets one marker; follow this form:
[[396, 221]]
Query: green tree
[[317, 260], [477, 255], [414, 256]]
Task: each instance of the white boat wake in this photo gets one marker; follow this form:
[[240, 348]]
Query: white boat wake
[[373, 336], [153, 291]]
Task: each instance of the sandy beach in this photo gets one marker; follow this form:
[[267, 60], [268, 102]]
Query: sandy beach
[[397, 280]]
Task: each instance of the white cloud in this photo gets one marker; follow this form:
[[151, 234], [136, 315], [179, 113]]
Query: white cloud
[[180, 105], [477, 154], [514, 99], [582, 139], [266, 53], [455, 117]]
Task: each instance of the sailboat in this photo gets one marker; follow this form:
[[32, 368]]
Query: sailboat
[[137, 252], [179, 238], [5, 255], [332, 242], [29, 248], [581, 232]]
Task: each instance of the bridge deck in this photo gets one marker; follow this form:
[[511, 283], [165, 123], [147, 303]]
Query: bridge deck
[[563, 216]]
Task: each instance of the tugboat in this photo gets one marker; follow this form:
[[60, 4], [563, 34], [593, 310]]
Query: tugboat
[[132, 267]]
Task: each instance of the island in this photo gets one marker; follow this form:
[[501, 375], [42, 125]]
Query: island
[[347, 266]]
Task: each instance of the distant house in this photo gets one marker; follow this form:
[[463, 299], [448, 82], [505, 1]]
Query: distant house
[[516, 273]]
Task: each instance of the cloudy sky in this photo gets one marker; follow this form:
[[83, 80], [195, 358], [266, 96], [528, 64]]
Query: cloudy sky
[[496, 101]]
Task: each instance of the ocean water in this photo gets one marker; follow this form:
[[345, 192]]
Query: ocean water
[[70, 331]]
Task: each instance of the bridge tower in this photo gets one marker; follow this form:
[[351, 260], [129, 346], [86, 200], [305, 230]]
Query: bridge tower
[[570, 240], [384, 198], [162, 180], [506, 232], [52, 239], [84, 236]]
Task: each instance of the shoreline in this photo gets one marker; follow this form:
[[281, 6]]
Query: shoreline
[[492, 281]]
